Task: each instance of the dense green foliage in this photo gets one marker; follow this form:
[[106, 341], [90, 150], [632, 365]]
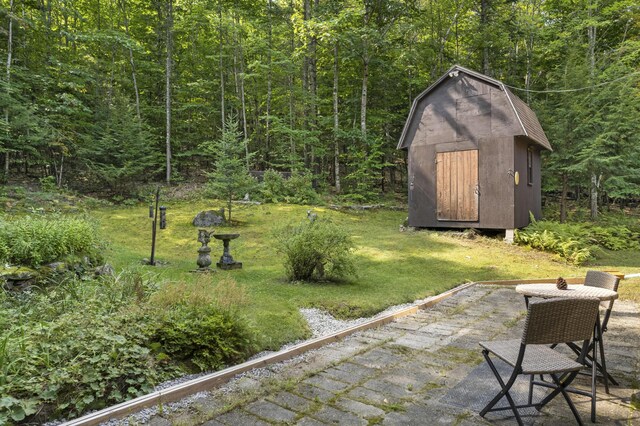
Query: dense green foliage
[[315, 251], [322, 87], [576, 242], [204, 336], [87, 344], [297, 189], [35, 240]]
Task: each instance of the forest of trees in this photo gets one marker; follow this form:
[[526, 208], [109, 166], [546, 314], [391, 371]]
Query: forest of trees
[[104, 93]]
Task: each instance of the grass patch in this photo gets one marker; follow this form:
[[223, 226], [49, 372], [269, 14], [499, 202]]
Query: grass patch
[[393, 267], [460, 418], [514, 321], [393, 407], [460, 356]]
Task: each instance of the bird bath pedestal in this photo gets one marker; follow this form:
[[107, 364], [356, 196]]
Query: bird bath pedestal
[[226, 261]]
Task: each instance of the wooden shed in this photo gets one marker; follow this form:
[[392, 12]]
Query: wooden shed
[[474, 155]]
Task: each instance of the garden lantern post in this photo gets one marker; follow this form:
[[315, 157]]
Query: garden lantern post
[[153, 213]]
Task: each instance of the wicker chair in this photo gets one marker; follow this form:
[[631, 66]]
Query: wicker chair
[[549, 321]]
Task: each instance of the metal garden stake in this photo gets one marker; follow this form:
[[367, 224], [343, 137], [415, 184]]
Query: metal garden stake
[[153, 213]]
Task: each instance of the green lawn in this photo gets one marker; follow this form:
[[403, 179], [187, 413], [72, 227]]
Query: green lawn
[[393, 267]]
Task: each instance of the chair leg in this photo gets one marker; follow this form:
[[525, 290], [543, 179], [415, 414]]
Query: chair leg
[[594, 372], [530, 400], [504, 390], [565, 381], [599, 367], [603, 368], [562, 388]]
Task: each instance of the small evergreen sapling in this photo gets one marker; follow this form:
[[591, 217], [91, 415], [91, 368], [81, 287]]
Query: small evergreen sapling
[[230, 179]]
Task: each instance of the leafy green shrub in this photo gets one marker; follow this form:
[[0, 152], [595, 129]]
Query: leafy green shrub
[[204, 336], [36, 240], [86, 344], [200, 325], [79, 346], [576, 242], [273, 187], [298, 189], [315, 251], [48, 184], [92, 358]]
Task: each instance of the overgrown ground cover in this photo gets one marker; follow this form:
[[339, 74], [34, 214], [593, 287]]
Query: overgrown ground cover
[[149, 324], [393, 267]]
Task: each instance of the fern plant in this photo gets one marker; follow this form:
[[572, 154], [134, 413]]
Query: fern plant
[[576, 242]]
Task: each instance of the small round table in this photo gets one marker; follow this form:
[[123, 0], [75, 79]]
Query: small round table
[[550, 290]]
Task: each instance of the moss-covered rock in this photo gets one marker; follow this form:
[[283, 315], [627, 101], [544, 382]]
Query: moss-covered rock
[[18, 277]]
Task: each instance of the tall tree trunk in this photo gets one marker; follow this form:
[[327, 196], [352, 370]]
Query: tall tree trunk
[[313, 91], [267, 136], [168, 85], [363, 96], [306, 80], [131, 61], [220, 34], [563, 197], [336, 126], [313, 72], [238, 61], [595, 180], [59, 174], [6, 109], [595, 185], [529, 44], [293, 163]]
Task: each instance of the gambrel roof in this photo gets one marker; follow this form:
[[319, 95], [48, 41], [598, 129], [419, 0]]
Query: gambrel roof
[[526, 118]]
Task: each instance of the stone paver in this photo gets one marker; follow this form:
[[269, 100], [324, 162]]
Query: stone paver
[[327, 383], [350, 373], [314, 393], [271, 412], [238, 417], [332, 416], [291, 401], [425, 368], [363, 410]]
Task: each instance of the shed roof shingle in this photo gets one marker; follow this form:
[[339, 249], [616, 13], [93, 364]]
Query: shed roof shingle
[[526, 117]]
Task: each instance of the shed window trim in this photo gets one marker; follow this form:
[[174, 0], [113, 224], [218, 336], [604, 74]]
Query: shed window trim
[[530, 166]]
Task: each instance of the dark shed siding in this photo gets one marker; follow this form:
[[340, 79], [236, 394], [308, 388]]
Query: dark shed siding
[[527, 197], [496, 185], [464, 112]]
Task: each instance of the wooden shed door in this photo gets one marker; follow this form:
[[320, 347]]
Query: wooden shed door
[[457, 185]]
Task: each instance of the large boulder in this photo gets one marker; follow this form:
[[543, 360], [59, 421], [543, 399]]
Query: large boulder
[[208, 218]]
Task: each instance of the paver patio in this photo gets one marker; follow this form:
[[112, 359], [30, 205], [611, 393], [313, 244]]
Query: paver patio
[[426, 368]]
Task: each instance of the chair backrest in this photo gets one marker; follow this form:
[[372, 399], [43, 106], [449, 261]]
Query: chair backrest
[[560, 320], [603, 280]]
